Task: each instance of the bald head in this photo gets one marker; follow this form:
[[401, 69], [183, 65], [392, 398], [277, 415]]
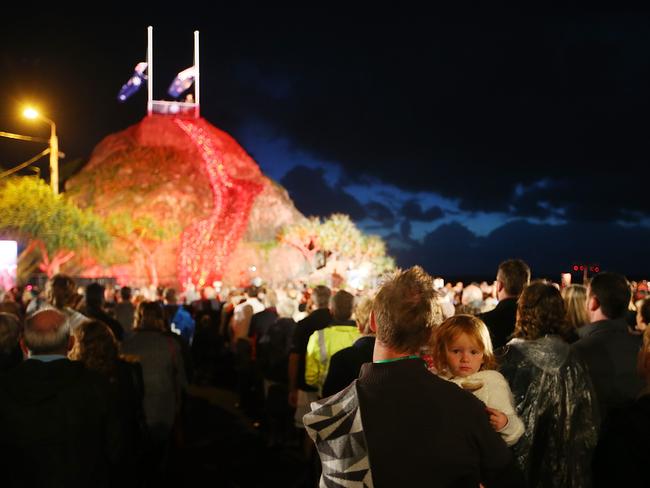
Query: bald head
[[47, 332]]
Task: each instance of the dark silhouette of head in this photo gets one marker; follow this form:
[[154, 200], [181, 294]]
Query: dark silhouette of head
[[514, 274], [125, 293], [342, 305], [612, 290], [95, 295], [60, 290]]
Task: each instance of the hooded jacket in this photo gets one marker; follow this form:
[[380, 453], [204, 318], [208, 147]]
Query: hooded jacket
[[555, 399]]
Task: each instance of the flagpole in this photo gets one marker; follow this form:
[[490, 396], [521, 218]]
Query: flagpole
[[150, 70], [197, 88]]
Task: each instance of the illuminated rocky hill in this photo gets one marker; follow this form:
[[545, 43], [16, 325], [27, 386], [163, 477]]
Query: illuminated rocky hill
[[185, 203]]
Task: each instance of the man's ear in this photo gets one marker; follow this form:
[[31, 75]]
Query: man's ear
[[499, 286], [373, 323], [593, 303]]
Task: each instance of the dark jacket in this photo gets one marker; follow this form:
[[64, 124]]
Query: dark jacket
[[501, 321], [261, 321], [346, 364], [400, 425], [113, 324], [128, 390], [58, 426], [273, 350], [10, 358], [610, 353], [622, 450]]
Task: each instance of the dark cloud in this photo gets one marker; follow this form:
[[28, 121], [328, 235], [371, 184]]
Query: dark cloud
[[600, 196], [312, 194], [473, 109], [453, 250], [413, 211], [380, 212], [397, 242], [405, 229]]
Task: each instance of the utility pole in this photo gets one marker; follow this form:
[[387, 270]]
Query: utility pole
[[54, 158]]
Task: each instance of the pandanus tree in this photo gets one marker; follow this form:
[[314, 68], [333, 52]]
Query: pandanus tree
[[50, 228], [340, 241]]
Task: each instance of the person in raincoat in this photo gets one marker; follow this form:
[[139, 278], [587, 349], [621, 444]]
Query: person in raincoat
[[553, 393]]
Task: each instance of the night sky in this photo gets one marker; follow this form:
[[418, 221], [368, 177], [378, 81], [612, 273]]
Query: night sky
[[462, 140]]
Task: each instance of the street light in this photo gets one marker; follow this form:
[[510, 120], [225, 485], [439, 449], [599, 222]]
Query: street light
[[32, 113]]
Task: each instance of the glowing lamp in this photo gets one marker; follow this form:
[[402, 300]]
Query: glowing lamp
[[30, 113]]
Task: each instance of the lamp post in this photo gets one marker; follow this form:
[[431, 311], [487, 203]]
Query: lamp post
[[31, 113]]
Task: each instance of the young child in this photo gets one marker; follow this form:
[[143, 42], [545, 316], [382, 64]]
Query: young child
[[463, 354]]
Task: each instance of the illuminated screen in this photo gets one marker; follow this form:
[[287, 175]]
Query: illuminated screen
[[8, 260]]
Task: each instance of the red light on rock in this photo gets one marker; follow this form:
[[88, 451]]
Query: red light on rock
[[206, 244]]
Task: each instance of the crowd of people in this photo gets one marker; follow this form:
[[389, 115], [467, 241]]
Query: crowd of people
[[413, 383]]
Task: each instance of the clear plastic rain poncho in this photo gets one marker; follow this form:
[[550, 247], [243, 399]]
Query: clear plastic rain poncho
[[556, 401]]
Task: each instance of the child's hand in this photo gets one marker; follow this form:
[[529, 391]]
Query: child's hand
[[498, 419]]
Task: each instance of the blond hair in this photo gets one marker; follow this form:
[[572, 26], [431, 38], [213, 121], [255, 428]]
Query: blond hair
[[406, 310], [451, 328], [362, 314], [96, 347], [575, 301]]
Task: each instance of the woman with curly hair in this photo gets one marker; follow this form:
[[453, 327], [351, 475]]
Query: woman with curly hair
[[553, 392], [96, 347]]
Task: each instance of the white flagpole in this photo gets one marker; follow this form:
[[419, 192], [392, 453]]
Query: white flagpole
[[197, 78], [149, 69]]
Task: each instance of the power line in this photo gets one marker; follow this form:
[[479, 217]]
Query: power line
[[25, 164], [22, 138]]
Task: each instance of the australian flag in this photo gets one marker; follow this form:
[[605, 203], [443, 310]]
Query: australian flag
[[134, 83], [182, 82]]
